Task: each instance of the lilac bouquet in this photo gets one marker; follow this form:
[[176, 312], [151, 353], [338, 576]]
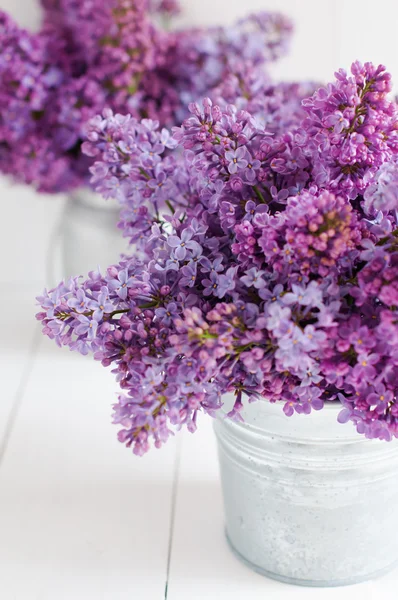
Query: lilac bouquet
[[268, 259], [96, 54]]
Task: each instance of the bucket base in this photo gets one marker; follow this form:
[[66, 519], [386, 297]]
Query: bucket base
[[305, 582]]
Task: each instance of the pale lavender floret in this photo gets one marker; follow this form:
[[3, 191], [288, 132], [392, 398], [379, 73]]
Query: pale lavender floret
[[293, 350], [182, 245], [87, 326], [310, 398], [364, 369], [278, 317], [252, 209], [274, 295], [252, 167], [80, 302], [50, 301], [189, 273], [159, 179], [237, 160], [121, 284], [311, 376], [211, 285], [167, 313], [337, 121], [382, 195], [254, 277], [101, 305], [313, 339], [226, 282], [310, 296], [150, 153]]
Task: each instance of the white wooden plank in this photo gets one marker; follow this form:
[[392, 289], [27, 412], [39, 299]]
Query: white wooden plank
[[203, 567], [18, 329], [80, 516]]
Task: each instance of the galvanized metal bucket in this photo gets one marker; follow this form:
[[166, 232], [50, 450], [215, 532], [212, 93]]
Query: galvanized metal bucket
[[307, 500]]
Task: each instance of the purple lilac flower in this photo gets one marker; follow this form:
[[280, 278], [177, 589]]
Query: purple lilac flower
[[254, 277], [79, 302], [101, 305], [92, 54], [237, 159], [182, 245], [309, 296], [87, 326], [189, 273], [167, 313], [211, 285], [121, 284], [381, 195], [282, 287]]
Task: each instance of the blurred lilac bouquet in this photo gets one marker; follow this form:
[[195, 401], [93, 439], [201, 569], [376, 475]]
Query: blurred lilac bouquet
[[269, 260], [92, 54]]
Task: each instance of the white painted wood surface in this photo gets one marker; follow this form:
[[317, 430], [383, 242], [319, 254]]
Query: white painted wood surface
[[82, 519], [79, 518]]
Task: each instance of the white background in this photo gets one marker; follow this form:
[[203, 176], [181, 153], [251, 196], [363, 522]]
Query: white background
[[80, 518]]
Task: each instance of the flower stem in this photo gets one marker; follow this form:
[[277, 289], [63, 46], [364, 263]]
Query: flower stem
[[259, 194], [170, 206]]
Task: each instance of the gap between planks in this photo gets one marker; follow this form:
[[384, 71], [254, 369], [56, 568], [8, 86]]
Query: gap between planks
[[20, 392], [174, 493]]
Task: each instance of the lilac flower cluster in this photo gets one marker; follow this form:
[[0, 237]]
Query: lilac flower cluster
[[28, 86], [269, 261], [228, 63], [96, 54]]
